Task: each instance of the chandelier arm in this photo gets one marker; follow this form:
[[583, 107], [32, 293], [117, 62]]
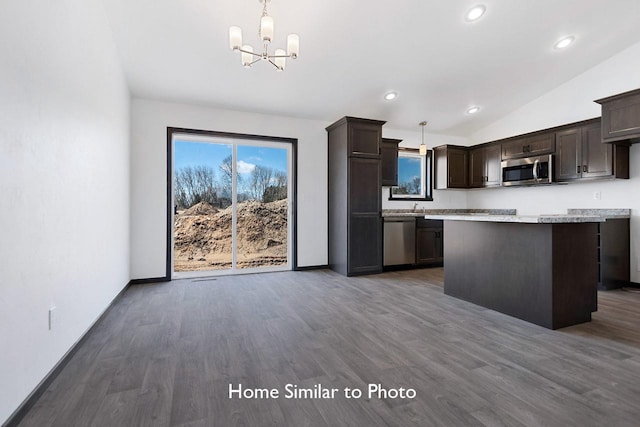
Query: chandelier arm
[[246, 51], [259, 59], [279, 56], [274, 64]]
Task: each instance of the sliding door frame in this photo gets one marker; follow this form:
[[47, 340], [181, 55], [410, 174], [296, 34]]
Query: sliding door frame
[[171, 131]]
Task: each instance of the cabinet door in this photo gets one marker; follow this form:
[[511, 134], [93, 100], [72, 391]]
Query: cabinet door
[[529, 146], [365, 244], [476, 167], [364, 139], [621, 117], [597, 158], [569, 155], [428, 245], [364, 185], [513, 149], [389, 163], [541, 144], [457, 168], [492, 165]]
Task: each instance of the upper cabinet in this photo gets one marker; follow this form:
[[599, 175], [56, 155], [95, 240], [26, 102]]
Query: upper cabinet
[[389, 161], [365, 137], [544, 143], [621, 117], [581, 154], [484, 166], [451, 167]]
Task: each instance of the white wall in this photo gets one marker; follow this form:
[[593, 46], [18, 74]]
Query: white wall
[[571, 102], [150, 120], [64, 181], [442, 199]]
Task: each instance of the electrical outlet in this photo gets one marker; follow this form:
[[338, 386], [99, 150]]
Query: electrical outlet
[[597, 195], [51, 317]]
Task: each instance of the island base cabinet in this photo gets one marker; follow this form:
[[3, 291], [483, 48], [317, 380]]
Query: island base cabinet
[[614, 250], [546, 274]]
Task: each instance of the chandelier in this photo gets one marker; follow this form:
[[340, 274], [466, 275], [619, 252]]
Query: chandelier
[[265, 32]]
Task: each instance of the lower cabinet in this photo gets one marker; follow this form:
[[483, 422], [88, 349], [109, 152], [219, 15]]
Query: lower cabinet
[[429, 242], [613, 254], [365, 244], [413, 242]]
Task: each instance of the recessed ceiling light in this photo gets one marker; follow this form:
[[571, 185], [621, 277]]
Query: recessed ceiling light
[[473, 110], [564, 42], [390, 96], [475, 13]]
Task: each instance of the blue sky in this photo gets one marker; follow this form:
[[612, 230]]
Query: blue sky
[[408, 168], [201, 153]]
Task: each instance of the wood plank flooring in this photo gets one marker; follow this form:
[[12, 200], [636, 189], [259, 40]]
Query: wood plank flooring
[[166, 354]]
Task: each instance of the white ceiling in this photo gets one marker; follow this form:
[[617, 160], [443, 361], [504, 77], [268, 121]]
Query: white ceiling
[[352, 52]]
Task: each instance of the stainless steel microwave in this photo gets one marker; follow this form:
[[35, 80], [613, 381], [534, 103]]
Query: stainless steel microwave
[[528, 171]]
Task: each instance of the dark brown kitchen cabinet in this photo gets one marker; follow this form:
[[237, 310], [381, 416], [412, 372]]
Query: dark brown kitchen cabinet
[[451, 167], [389, 161], [534, 145], [621, 117], [569, 155], [429, 242], [484, 166], [613, 253], [365, 139], [580, 154], [355, 223]]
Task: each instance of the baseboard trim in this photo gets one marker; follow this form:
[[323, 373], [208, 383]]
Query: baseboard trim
[[17, 416], [149, 280], [311, 267], [633, 285]]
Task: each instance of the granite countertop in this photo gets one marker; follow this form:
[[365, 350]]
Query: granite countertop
[[394, 213], [572, 216]]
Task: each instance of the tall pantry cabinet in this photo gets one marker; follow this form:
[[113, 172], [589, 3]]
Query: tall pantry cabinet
[[355, 204]]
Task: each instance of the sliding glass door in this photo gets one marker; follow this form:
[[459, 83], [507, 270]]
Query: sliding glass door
[[232, 205]]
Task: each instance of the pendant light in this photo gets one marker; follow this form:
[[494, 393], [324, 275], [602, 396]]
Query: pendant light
[[423, 146]]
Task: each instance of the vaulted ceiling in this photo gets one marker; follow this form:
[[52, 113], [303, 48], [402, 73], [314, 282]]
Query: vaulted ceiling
[[352, 52]]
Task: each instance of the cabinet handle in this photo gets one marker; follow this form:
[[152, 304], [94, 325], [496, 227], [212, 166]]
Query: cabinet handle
[[578, 171], [585, 168], [524, 148]]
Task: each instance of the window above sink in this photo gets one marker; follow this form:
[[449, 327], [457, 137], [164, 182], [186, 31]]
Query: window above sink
[[414, 176]]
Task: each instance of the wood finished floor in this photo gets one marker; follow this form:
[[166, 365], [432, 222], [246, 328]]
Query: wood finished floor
[[166, 353]]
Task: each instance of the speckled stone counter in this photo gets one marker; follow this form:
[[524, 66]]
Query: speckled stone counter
[[572, 216], [394, 213]]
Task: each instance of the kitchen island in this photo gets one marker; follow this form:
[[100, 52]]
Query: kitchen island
[[539, 268]]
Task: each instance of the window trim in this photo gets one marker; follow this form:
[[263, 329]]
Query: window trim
[[428, 178]]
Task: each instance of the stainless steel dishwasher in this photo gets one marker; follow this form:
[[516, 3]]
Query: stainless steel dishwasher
[[399, 240]]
